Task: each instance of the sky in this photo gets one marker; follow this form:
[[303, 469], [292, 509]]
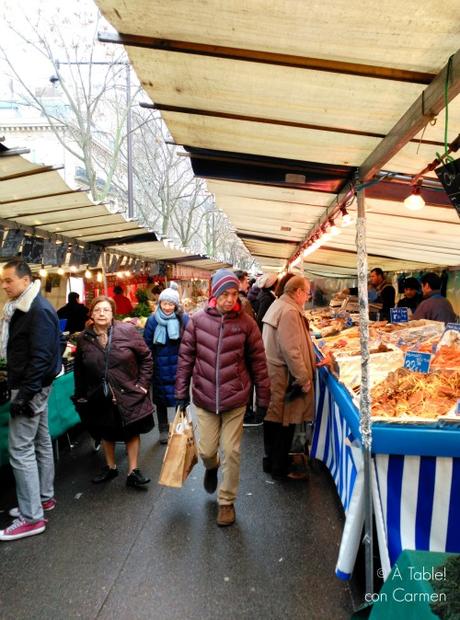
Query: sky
[[75, 19]]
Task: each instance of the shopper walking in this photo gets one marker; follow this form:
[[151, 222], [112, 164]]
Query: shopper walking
[[113, 370], [31, 343], [162, 334], [222, 352], [291, 368]]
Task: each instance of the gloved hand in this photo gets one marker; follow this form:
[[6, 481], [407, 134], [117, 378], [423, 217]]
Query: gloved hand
[[21, 406], [261, 412], [182, 403]]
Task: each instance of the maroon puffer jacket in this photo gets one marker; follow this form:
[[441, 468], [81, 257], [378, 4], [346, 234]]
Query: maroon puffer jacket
[[224, 354], [130, 366]]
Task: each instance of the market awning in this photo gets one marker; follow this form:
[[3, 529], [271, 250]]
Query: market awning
[[37, 196], [161, 251], [291, 81]]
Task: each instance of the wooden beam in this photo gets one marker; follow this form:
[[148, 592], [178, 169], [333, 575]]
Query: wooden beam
[[271, 58], [28, 173], [270, 121], [426, 106]]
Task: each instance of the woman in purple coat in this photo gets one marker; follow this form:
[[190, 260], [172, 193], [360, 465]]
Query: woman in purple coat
[[113, 370]]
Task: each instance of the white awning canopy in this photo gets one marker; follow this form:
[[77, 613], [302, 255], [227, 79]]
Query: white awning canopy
[[249, 87]]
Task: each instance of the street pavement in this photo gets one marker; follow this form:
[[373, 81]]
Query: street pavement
[[112, 552]]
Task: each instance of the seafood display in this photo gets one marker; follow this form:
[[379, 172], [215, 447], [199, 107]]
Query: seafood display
[[407, 394], [397, 393]]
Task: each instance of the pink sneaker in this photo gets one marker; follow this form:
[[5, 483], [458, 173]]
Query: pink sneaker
[[21, 529], [48, 504]]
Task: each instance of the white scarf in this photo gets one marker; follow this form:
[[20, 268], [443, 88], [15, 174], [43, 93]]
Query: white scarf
[[10, 308]]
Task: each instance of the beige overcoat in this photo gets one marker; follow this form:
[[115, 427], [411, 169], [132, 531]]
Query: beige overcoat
[[289, 350]]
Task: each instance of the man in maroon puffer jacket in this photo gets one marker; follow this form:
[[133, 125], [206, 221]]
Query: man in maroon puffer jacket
[[222, 351]]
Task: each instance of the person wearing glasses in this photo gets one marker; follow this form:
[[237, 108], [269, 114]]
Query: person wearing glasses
[[113, 369], [291, 368]]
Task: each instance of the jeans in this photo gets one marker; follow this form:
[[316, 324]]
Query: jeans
[[224, 430], [31, 457]]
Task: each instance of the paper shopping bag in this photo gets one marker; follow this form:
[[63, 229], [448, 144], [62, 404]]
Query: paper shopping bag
[[181, 453]]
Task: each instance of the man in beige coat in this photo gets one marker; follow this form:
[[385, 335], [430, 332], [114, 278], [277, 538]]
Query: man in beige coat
[[291, 368]]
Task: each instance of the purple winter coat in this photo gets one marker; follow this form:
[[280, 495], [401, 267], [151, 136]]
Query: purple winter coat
[[130, 366], [224, 355]]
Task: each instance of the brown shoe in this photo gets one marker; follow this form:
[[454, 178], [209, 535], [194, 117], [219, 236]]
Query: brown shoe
[[226, 515]]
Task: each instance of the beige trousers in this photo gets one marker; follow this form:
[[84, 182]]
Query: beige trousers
[[224, 429]]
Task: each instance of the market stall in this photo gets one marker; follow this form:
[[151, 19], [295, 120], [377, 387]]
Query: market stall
[[415, 437]]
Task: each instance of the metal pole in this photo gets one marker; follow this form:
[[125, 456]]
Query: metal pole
[[104, 272], [129, 143], [365, 404]]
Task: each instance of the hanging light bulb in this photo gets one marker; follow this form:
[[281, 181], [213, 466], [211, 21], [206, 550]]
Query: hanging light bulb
[[60, 271], [326, 233], [73, 269], [346, 217], [414, 202], [296, 261], [43, 273], [88, 274], [127, 273], [334, 229], [99, 277], [120, 275]]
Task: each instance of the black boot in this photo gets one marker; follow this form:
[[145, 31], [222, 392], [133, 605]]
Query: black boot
[[108, 473], [136, 479]]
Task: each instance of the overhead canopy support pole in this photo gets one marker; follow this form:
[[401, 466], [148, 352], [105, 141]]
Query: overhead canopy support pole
[[364, 403], [426, 107]]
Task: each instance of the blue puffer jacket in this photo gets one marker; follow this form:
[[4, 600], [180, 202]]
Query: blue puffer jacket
[[164, 362]]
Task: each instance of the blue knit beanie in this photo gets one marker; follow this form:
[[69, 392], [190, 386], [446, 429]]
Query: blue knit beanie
[[223, 280]]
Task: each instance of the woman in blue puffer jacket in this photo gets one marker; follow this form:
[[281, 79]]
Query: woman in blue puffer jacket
[[162, 334]]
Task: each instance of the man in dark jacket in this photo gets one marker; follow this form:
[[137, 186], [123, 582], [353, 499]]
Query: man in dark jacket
[[75, 313], [434, 306], [412, 296], [222, 351], [30, 340]]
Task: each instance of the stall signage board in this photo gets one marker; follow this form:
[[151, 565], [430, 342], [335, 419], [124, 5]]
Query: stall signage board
[[399, 315], [449, 175], [417, 362]]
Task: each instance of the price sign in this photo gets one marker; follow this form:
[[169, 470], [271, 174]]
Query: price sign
[[417, 362], [399, 315]]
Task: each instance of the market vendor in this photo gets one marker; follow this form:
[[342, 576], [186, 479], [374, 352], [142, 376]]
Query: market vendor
[[122, 303], [385, 293], [434, 306], [412, 295]]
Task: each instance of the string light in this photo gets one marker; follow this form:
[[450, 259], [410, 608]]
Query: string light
[[99, 277], [127, 273], [334, 229], [88, 274], [346, 217], [73, 269], [414, 202], [43, 273], [60, 271]]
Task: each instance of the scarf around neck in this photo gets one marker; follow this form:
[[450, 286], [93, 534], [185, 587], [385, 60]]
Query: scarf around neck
[[168, 326], [9, 309]]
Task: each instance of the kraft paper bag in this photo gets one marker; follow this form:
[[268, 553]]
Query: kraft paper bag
[[181, 453]]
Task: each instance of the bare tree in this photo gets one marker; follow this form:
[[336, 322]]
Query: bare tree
[[90, 86], [91, 121]]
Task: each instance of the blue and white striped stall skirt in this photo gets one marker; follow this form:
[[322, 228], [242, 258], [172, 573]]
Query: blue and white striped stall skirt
[[416, 498]]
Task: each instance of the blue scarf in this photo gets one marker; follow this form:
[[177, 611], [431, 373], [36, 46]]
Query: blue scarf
[[168, 326]]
